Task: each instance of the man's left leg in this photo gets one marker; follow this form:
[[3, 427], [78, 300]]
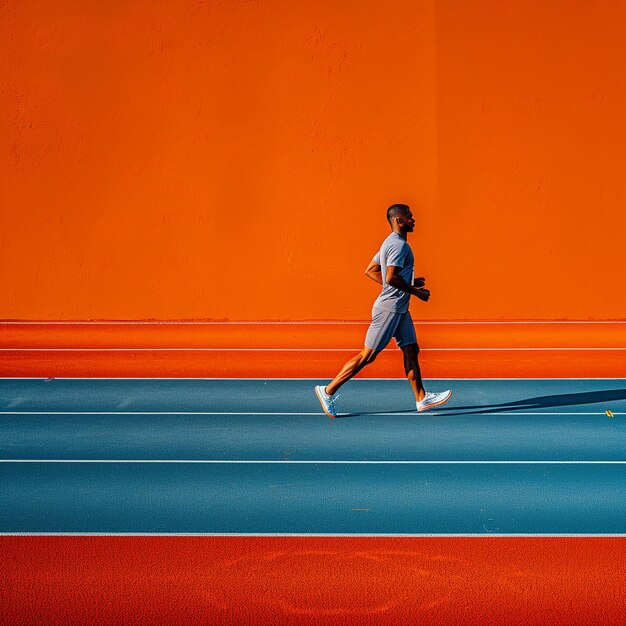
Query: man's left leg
[[412, 370], [407, 342]]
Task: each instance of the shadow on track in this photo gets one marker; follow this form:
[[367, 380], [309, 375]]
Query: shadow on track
[[539, 402]]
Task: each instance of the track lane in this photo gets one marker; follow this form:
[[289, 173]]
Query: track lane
[[281, 420], [316, 498]]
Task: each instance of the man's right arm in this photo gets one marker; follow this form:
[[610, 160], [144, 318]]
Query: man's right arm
[[374, 272]]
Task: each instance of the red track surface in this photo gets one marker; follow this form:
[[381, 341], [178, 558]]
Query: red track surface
[[259, 364], [306, 335], [437, 360], [294, 580]]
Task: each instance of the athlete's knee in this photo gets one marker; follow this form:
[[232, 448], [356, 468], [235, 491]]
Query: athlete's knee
[[368, 356], [412, 350]]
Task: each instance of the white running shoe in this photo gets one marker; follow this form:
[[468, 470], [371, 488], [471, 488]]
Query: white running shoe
[[327, 402], [433, 399]]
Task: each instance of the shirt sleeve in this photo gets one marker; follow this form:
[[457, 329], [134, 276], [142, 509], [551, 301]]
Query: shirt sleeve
[[397, 255], [376, 258]]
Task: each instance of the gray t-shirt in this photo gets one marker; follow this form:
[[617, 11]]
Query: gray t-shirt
[[397, 252]]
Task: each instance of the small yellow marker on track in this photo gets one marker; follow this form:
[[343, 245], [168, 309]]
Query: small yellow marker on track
[[610, 413]]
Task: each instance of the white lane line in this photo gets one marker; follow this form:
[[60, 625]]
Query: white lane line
[[485, 349], [305, 462], [486, 535], [287, 323], [440, 412]]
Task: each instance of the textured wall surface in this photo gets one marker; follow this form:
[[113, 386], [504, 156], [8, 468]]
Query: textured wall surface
[[234, 159]]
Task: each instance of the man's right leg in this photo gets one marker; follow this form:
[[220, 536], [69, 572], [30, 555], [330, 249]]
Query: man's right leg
[[351, 369], [379, 334], [326, 395]]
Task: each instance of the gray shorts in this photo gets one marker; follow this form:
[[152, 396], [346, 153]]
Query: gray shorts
[[388, 324]]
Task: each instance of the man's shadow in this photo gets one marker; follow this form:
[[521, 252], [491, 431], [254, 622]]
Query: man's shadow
[[538, 402]]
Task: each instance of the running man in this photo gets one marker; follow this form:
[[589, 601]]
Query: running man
[[392, 267]]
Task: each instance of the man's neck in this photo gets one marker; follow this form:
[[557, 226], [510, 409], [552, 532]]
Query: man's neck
[[400, 234]]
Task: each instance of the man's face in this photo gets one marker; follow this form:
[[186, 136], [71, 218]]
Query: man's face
[[406, 222]]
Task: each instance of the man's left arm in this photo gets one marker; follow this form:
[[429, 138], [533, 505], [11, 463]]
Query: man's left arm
[[416, 289], [374, 272]]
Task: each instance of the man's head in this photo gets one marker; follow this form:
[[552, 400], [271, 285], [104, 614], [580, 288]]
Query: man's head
[[400, 218]]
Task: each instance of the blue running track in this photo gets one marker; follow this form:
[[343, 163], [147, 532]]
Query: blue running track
[[259, 457]]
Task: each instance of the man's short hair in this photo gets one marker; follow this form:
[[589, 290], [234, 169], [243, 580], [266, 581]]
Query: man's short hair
[[396, 209]]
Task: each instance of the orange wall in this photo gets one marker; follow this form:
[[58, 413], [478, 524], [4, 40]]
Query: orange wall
[[234, 159]]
